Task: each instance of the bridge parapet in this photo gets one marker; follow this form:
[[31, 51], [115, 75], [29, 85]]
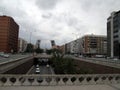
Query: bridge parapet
[[58, 80]]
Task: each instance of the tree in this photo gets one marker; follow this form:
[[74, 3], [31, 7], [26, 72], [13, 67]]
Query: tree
[[62, 65], [29, 48], [38, 50]]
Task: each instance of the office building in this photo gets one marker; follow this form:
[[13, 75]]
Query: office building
[[9, 30], [113, 34]]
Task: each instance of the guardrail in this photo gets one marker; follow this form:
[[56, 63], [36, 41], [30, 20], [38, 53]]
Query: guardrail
[[52, 80]]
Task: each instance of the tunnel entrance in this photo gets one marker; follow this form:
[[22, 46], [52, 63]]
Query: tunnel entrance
[[41, 61]]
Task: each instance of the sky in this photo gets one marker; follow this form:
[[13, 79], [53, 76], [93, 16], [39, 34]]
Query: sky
[[59, 20]]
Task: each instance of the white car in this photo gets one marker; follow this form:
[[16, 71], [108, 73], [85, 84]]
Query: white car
[[48, 65], [37, 66], [37, 71], [115, 59], [4, 55]]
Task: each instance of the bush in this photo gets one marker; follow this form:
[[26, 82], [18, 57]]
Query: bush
[[62, 65]]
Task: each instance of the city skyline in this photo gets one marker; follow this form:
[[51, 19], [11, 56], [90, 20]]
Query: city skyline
[[59, 19]]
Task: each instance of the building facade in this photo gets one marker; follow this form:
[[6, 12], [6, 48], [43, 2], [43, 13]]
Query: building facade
[[9, 30], [113, 34], [38, 44], [88, 45], [94, 45], [22, 45]]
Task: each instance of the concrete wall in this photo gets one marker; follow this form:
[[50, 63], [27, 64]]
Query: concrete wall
[[22, 68], [96, 68]]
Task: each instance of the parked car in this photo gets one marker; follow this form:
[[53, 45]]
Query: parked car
[[115, 59], [2, 54]]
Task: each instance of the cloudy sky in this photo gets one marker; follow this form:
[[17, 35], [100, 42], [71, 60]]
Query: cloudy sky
[[59, 20]]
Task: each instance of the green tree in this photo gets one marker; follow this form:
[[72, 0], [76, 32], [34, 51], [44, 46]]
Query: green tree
[[29, 48], [62, 65], [38, 50]]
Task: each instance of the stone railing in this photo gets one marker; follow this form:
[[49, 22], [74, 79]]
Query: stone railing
[[49, 80]]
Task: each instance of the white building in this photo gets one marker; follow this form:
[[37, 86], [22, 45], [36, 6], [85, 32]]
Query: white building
[[22, 44]]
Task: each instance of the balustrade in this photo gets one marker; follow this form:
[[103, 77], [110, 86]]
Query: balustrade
[[46, 80]]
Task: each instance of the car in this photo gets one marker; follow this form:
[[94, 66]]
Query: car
[[75, 55], [47, 65], [80, 56], [37, 66], [6, 55], [115, 59], [37, 71], [2, 54]]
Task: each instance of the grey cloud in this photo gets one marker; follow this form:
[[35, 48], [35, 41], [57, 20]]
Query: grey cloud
[[58, 23], [87, 5], [46, 4], [47, 15], [72, 21], [17, 12]]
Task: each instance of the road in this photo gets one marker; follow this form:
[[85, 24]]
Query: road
[[43, 70], [102, 61], [13, 57]]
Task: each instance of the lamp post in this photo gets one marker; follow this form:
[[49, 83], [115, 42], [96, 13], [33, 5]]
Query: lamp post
[[30, 36]]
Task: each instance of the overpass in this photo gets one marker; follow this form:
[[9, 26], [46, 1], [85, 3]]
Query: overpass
[[52, 82]]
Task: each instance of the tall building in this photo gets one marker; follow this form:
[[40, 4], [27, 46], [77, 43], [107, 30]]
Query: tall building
[[38, 43], [113, 34], [53, 44], [22, 45], [67, 48], [8, 34]]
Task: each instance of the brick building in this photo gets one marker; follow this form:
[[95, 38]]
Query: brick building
[[9, 30]]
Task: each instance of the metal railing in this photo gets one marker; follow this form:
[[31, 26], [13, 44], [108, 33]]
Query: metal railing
[[53, 80]]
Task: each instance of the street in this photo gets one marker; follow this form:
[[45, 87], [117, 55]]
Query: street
[[43, 70], [13, 57]]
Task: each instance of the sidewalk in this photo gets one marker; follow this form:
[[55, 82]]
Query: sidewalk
[[81, 87]]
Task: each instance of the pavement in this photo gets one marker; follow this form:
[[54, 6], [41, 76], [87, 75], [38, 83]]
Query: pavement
[[81, 87]]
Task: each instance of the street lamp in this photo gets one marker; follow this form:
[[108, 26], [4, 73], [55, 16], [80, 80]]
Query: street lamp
[[30, 36]]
